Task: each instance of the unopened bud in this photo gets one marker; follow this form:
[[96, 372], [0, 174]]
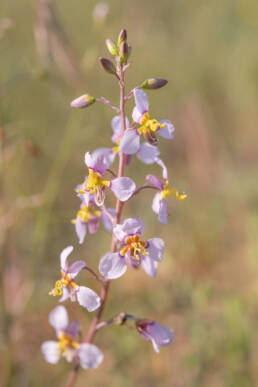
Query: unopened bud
[[122, 37], [112, 47], [154, 83], [123, 50], [83, 101], [107, 65]]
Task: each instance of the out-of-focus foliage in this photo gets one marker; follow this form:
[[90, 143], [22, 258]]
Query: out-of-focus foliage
[[207, 286]]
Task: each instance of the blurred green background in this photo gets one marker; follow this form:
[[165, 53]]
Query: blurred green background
[[206, 288]]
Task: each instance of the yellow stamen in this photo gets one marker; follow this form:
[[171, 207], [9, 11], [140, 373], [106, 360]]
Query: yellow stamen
[[167, 192], [66, 342], [149, 125], [65, 281], [86, 213], [134, 246], [94, 183]]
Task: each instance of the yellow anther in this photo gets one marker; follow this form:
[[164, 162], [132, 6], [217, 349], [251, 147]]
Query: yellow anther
[[64, 282], [66, 342], [134, 246], [167, 192], [58, 289], [86, 213], [93, 183], [149, 124]]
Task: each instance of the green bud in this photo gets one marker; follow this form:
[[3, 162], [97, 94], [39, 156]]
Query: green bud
[[107, 65], [112, 48], [122, 37], [83, 101], [154, 83], [123, 51]]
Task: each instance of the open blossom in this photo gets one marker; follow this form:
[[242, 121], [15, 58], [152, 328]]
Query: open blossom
[[149, 127], [159, 204], [159, 335], [133, 251], [68, 345], [94, 184], [66, 287]]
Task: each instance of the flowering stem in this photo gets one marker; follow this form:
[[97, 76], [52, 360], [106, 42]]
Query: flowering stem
[[145, 186], [119, 208]]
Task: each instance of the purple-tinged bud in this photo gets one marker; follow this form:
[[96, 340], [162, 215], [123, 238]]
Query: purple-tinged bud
[[107, 65], [112, 47], [83, 101], [154, 83], [122, 37], [159, 335], [123, 51]]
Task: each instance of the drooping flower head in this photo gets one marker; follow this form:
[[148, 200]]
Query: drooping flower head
[[68, 345], [96, 185], [159, 335], [159, 204], [133, 251], [66, 287], [149, 127]]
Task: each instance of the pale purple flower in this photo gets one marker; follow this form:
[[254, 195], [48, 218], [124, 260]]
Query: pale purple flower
[[68, 345], [149, 127], [158, 335], [159, 204], [133, 251], [66, 287], [87, 217], [94, 184]]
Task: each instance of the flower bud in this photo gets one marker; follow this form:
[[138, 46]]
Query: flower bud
[[83, 101], [154, 83], [107, 65], [111, 46], [123, 50], [122, 37]]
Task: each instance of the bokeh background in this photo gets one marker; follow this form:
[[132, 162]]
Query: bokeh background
[[207, 286]]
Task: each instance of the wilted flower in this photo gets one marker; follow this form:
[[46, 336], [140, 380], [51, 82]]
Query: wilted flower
[[133, 251], [159, 335], [68, 345], [67, 288], [94, 184], [130, 142]]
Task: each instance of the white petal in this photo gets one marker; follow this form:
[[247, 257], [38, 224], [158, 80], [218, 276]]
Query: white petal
[[90, 356], [112, 266], [148, 153], [167, 132], [123, 188], [136, 115], [50, 351], [63, 257], [156, 249], [88, 298], [141, 101], [149, 266], [58, 318], [130, 142], [156, 203]]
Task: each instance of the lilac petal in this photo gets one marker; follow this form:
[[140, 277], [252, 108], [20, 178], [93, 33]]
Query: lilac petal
[[96, 162], [123, 188], [136, 115], [75, 268], [128, 159], [50, 351], [156, 203], [93, 225], [81, 229], [130, 142], [65, 295], [112, 266], [156, 249], [149, 266], [73, 329], [88, 298], [131, 226], [117, 128], [163, 166], [163, 212], [147, 153], [90, 356], [162, 334], [155, 181], [167, 132], [107, 153], [58, 318], [141, 101], [63, 257], [106, 220]]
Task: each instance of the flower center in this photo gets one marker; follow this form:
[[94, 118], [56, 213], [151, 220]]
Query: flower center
[[134, 246], [66, 342], [94, 183], [86, 213], [64, 282], [167, 192]]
